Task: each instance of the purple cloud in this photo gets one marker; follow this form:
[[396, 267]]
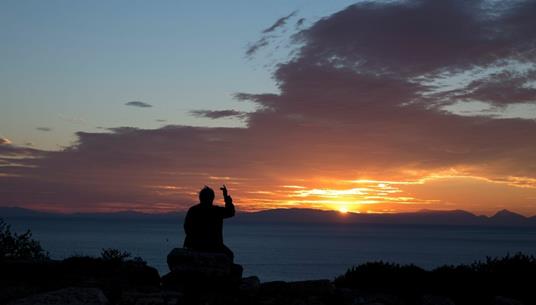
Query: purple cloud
[[279, 23], [267, 34], [217, 114], [138, 104]]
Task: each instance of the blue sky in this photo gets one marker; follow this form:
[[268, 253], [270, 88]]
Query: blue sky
[[72, 65]]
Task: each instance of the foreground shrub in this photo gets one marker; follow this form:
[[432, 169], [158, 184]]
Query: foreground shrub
[[111, 254], [476, 283], [19, 246]]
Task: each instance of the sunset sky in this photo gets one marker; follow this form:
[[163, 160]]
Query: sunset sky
[[370, 106]]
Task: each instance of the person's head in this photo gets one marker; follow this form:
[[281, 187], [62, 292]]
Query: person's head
[[206, 195]]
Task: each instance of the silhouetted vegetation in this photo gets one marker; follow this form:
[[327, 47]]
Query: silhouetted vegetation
[[19, 246], [111, 254], [476, 283], [113, 273]]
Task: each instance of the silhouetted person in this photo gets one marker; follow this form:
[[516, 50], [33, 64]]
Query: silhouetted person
[[204, 223]]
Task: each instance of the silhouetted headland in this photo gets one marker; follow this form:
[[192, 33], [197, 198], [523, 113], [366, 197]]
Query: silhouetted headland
[[301, 216]]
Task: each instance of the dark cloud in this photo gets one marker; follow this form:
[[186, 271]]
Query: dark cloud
[[359, 100], [268, 36], [253, 48], [46, 129], [10, 151], [217, 114], [279, 23], [499, 89], [412, 38], [138, 104]]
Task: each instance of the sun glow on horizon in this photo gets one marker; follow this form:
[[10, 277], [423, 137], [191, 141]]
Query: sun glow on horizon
[[343, 210], [438, 190], [349, 195]]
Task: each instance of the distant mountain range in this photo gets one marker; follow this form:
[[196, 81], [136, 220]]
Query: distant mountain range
[[428, 217], [311, 216]]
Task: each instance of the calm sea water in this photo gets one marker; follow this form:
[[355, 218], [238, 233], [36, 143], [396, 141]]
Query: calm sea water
[[286, 252]]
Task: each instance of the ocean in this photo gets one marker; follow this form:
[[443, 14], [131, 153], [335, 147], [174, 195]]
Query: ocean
[[285, 251]]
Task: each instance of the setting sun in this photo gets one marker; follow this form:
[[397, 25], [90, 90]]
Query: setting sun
[[343, 210]]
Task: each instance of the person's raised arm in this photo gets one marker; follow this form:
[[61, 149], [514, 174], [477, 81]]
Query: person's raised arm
[[229, 210]]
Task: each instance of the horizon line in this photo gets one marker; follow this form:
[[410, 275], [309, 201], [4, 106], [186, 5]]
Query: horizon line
[[156, 213]]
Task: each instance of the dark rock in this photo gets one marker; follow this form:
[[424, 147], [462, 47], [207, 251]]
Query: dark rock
[[173, 297], [204, 269], [500, 300], [316, 287], [436, 300], [302, 292], [66, 296], [273, 287], [250, 285], [382, 298], [144, 298], [202, 277], [174, 281], [207, 263], [349, 296]]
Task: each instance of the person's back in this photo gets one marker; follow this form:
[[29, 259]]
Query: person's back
[[204, 223]]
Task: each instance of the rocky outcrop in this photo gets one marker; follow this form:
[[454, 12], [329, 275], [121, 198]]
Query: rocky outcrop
[[500, 300], [250, 285], [201, 276], [301, 292], [190, 266], [436, 300], [207, 263]]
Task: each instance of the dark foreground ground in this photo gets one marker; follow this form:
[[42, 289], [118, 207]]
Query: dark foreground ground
[[119, 280]]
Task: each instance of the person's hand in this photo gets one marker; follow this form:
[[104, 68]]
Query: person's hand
[[224, 190]]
